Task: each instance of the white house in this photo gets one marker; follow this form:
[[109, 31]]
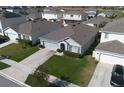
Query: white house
[[111, 52], [20, 28], [113, 31], [52, 14], [32, 30], [102, 14], [7, 22], [75, 15], [76, 38], [58, 14]]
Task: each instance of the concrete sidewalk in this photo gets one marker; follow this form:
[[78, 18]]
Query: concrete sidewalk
[[7, 43], [21, 70], [9, 62]]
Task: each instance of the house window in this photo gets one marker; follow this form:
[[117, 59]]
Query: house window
[[71, 15], [27, 37], [23, 36], [19, 36], [106, 35]]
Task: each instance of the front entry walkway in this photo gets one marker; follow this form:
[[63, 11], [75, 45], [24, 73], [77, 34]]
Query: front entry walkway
[[7, 43], [102, 75], [20, 71]]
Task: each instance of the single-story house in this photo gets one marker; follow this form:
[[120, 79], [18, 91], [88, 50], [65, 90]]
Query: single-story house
[[52, 13], [10, 22], [113, 31], [111, 52], [75, 15], [98, 22], [32, 30], [110, 14], [92, 12], [76, 38], [102, 14]]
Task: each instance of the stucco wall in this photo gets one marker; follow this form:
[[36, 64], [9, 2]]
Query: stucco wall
[[75, 17], [112, 36]]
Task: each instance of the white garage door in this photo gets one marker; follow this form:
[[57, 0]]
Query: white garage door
[[11, 36], [111, 59], [51, 46]]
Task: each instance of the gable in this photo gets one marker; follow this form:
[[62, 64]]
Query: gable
[[10, 30]]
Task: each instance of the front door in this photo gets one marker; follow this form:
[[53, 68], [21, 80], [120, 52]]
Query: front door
[[62, 46]]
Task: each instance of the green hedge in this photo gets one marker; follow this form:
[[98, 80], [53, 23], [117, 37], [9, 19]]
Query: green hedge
[[72, 54]]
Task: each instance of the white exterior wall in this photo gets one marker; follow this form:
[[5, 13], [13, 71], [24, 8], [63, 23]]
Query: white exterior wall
[[112, 36], [49, 16], [13, 35], [1, 29], [75, 17], [9, 10], [75, 47], [89, 24], [109, 58]]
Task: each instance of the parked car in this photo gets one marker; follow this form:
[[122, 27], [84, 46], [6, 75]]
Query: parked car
[[117, 78]]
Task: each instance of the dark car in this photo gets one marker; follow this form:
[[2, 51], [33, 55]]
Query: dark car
[[117, 78]]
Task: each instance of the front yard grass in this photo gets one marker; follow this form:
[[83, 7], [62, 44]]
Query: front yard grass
[[3, 65], [17, 52], [78, 71], [34, 82]]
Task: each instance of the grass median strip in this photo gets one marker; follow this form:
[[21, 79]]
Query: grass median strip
[[3, 65]]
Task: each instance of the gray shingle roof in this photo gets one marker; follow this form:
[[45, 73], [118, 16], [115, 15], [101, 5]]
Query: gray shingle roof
[[81, 33], [12, 22], [38, 26], [98, 20], [115, 26], [111, 46]]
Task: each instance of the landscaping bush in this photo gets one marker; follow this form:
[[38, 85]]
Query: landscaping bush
[[72, 54], [65, 78], [25, 43], [41, 46], [59, 50]]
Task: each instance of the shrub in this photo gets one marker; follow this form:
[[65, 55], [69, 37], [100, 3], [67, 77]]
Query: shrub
[[72, 54], [65, 78], [59, 50], [41, 46]]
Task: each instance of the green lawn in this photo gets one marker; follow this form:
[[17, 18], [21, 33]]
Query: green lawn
[[3, 65], [32, 81], [78, 71], [17, 52]]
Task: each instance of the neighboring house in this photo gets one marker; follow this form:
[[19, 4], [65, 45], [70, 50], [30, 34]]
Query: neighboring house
[[111, 52], [102, 14], [110, 14], [52, 14], [98, 22], [32, 30], [75, 15], [10, 23], [92, 12], [58, 14], [113, 31], [76, 38]]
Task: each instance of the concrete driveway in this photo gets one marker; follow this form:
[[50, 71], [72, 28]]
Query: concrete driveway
[[102, 76], [21, 70]]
